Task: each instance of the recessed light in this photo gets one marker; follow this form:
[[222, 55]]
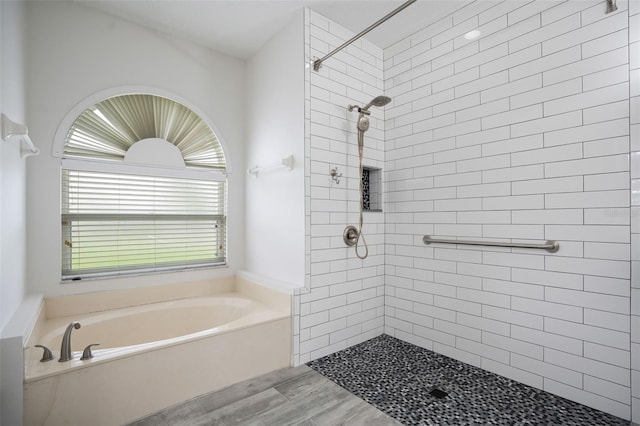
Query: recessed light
[[472, 35]]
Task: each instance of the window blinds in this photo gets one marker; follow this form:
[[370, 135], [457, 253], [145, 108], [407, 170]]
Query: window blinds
[[121, 223], [110, 127]]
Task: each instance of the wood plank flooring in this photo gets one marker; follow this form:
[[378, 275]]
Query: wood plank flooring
[[291, 396]]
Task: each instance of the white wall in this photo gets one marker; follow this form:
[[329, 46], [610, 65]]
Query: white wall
[[520, 135], [12, 167], [274, 201], [12, 204], [345, 302], [1, 281], [634, 82], [75, 52]]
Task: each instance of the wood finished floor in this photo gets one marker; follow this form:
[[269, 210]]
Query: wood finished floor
[[291, 396]]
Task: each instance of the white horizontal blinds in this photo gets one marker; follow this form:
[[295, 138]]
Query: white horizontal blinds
[[121, 223], [110, 127]]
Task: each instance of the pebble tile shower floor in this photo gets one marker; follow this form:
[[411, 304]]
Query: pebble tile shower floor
[[399, 378]]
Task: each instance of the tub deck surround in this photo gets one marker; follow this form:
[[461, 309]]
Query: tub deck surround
[[217, 336], [116, 299]]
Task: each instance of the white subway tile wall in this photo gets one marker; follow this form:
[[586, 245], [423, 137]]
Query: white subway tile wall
[[634, 88], [531, 132], [344, 300], [526, 134]]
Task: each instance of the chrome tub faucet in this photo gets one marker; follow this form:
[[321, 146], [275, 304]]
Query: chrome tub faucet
[[65, 350]]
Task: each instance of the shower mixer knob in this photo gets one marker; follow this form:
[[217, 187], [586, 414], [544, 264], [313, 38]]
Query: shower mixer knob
[[350, 235]]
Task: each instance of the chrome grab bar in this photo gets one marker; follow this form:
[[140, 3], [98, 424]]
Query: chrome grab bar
[[550, 246]]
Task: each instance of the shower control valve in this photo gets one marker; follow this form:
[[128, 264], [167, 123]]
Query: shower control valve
[[350, 235]]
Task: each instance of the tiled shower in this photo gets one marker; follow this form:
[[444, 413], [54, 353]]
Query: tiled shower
[[528, 133]]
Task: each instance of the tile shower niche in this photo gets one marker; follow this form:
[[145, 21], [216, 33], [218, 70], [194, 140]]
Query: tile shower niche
[[371, 189]]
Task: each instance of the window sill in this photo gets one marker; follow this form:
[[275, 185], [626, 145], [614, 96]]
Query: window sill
[[137, 276]]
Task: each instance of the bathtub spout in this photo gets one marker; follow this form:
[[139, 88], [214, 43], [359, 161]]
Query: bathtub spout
[[65, 350]]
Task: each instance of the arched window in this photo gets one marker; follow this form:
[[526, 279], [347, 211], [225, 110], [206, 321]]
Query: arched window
[[143, 190]]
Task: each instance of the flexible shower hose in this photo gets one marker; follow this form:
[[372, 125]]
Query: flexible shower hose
[[360, 234]]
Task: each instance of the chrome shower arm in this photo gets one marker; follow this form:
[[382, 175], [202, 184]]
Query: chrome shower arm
[[360, 109]]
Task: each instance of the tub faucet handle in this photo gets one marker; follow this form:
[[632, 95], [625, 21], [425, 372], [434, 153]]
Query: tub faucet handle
[[46, 355], [86, 354]]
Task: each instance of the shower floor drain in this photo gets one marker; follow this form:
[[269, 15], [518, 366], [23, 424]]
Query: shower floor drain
[[438, 393]]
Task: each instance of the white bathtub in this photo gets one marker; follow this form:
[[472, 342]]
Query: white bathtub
[[152, 355]]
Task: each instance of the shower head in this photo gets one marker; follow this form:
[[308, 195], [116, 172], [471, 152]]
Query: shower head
[[378, 101]]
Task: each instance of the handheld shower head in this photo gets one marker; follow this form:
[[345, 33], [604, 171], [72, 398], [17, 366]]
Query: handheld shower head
[[363, 120], [353, 235], [378, 101]]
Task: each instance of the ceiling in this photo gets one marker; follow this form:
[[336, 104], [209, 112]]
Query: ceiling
[[239, 28]]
